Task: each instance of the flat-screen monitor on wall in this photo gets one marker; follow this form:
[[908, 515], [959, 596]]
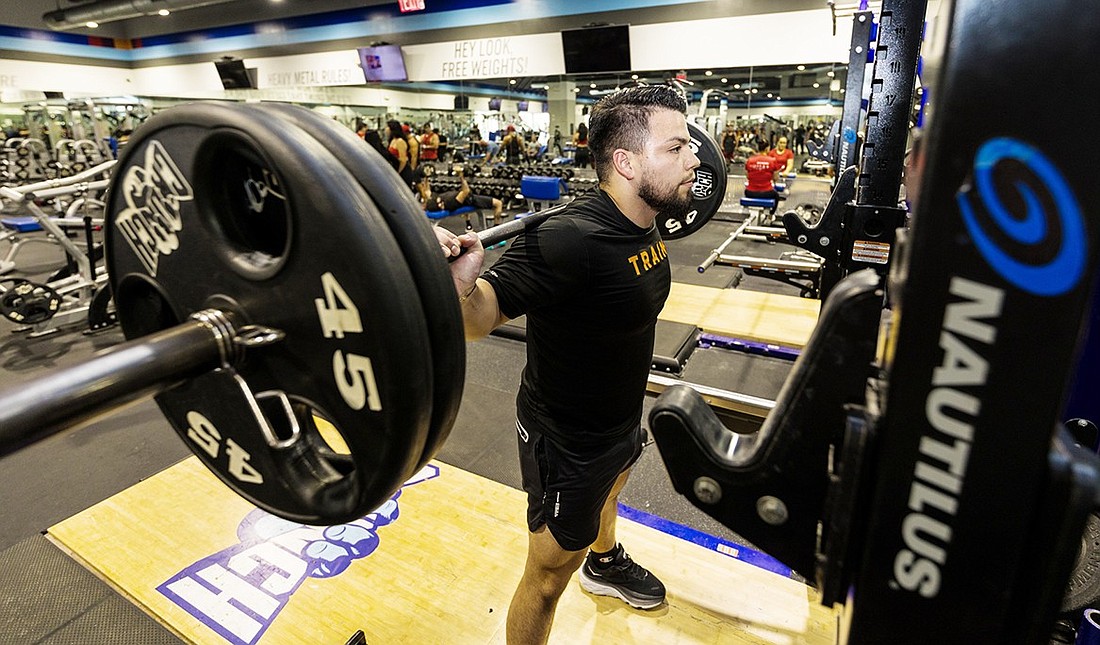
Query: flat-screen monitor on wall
[[596, 49], [234, 76], [383, 63], [521, 106], [494, 105], [462, 103]]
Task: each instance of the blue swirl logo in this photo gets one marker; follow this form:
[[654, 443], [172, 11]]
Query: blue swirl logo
[[1036, 267]]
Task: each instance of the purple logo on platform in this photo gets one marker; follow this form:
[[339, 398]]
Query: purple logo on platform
[[239, 591]]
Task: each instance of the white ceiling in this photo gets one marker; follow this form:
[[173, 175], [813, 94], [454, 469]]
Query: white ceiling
[[28, 13]]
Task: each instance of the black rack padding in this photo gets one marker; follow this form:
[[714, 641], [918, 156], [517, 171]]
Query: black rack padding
[[672, 346]]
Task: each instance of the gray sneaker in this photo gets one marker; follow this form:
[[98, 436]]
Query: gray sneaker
[[618, 576]]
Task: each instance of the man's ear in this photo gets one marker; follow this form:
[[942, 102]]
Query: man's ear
[[623, 162]]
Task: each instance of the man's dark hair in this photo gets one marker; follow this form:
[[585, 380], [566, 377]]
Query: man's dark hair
[[621, 120], [762, 145]]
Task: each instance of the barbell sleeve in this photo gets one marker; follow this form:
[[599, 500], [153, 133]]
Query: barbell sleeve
[[709, 262], [133, 370], [716, 253]]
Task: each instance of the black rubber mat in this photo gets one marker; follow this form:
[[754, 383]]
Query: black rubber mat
[[735, 371], [673, 342], [48, 598], [483, 440]]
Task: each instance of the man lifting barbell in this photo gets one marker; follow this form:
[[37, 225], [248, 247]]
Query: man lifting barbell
[[591, 281]]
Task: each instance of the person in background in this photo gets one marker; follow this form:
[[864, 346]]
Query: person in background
[[413, 144], [760, 170], [536, 145], [580, 145], [374, 140], [429, 144], [452, 200], [591, 280], [476, 143], [492, 150], [443, 145], [800, 139], [399, 148], [784, 154], [513, 146], [729, 143]]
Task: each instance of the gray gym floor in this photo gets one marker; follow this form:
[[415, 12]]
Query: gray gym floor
[[45, 597]]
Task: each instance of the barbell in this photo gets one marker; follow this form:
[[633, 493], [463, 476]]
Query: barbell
[[268, 269]]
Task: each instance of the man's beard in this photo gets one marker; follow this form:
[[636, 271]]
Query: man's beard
[[668, 203]]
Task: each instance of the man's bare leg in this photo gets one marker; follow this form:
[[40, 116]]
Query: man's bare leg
[[545, 575]]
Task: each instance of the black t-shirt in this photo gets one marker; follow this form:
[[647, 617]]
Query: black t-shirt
[[442, 201], [591, 283]]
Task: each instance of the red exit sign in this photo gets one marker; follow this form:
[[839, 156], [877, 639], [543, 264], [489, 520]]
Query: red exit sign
[[410, 5]]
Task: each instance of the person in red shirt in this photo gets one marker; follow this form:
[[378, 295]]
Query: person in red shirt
[[784, 154], [760, 169], [429, 144]]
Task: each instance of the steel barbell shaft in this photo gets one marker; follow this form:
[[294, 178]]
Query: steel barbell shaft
[[133, 370], [508, 230]]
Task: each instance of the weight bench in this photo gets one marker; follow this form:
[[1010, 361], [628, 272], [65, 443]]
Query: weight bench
[[461, 210], [765, 208]]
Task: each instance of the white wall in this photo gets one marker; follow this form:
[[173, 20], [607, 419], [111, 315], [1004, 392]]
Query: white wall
[[769, 39], [57, 77], [512, 56], [336, 77]]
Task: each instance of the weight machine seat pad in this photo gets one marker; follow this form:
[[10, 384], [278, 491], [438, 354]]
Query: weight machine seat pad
[[541, 188], [673, 344], [758, 202], [21, 224], [809, 411], [458, 211]]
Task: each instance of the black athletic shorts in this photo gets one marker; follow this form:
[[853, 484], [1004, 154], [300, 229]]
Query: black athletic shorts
[[479, 201], [448, 201], [762, 194], [566, 489]]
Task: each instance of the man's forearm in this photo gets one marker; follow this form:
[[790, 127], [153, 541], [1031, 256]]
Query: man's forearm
[[480, 311]]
